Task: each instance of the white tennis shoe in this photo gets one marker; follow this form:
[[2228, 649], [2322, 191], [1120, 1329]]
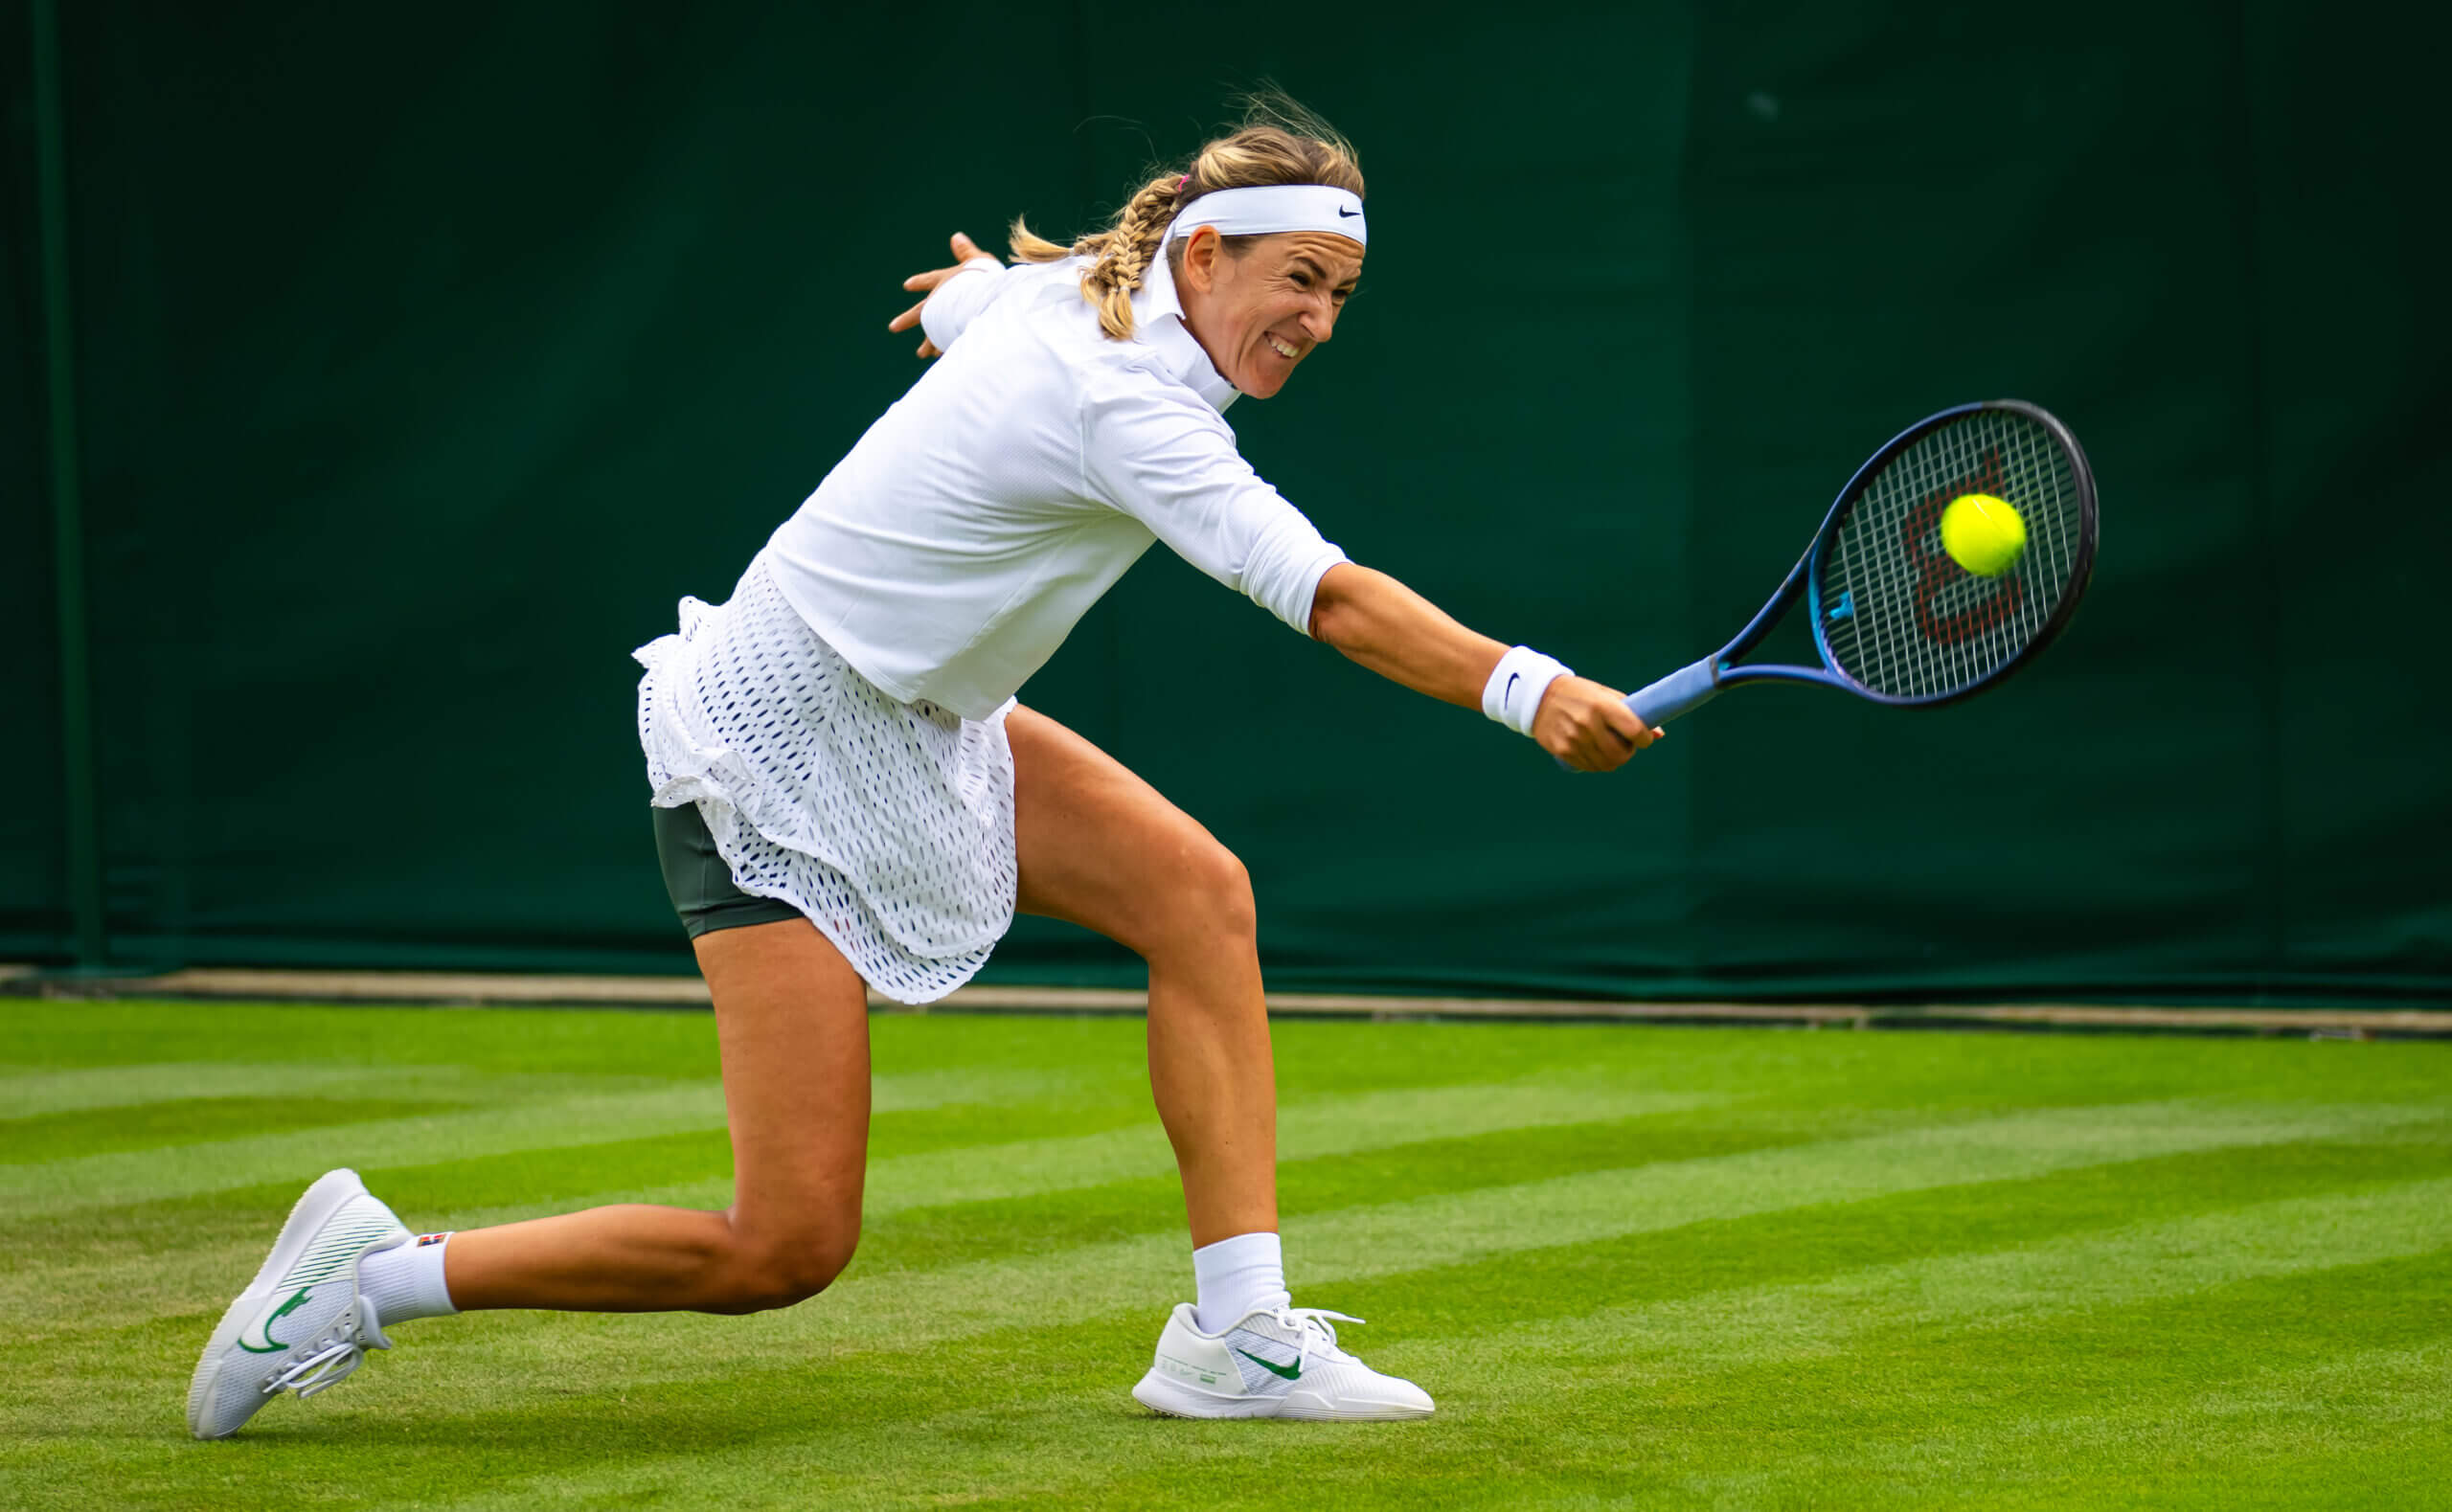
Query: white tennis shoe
[[301, 1326], [1279, 1362]]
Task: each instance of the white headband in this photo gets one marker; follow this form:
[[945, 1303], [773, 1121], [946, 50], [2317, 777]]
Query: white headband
[[1271, 208]]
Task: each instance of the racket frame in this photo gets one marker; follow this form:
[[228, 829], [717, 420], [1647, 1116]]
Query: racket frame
[[1694, 685]]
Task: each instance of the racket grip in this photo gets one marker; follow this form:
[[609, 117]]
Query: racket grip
[[1681, 691]]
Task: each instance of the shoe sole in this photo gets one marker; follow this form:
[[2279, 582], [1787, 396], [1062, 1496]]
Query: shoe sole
[[314, 1209], [1173, 1398], [1165, 1395], [1299, 1410]]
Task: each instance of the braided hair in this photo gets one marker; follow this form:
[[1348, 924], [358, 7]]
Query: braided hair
[[1279, 143]]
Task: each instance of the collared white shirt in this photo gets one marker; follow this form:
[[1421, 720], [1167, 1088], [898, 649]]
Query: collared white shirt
[[950, 552]]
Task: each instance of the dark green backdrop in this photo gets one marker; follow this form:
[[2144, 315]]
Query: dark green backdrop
[[424, 358]]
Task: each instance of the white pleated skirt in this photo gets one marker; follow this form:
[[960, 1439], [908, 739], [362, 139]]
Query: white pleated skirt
[[889, 824]]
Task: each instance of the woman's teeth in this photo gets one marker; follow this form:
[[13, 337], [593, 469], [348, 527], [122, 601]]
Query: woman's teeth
[[1279, 346]]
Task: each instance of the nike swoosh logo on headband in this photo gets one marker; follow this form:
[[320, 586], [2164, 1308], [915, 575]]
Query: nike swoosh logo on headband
[[1342, 212]]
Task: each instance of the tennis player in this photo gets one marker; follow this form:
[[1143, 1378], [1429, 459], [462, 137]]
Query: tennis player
[[846, 795]]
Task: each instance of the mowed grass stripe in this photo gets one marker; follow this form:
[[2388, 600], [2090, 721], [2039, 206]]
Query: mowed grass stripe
[[1327, 1056], [1790, 1242], [39, 1092], [2366, 1428], [1924, 1070], [1306, 1128], [1143, 1274], [60, 1035], [190, 1169], [1649, 1355], [142, 1285], [28, 1093], [520, 1179], [186, 1120], [249, 1215], [1726, 1330], [1799, 1245], [185, 1170], [930, 1237], [1573, 1208], [2073, 1407], [1036, 1167], [2254, 1431]]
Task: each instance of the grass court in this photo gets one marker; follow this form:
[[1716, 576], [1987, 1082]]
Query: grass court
[[1637, 1267]]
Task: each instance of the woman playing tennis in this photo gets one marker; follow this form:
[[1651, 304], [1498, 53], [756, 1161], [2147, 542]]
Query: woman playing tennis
[[848, 796]]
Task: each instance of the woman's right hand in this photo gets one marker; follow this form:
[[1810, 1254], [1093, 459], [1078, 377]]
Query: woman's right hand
[[924, 283], [1588, 726]]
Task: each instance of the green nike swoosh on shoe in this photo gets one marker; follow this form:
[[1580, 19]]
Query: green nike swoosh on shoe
[[272, 1346], [1291, 1372]]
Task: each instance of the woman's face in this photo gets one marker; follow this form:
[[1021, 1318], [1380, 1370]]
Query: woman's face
[[1259, 315]]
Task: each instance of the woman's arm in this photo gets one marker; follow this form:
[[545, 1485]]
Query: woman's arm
[[1404, 637]]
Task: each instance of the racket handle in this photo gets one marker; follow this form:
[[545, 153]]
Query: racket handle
[[1681, 691]]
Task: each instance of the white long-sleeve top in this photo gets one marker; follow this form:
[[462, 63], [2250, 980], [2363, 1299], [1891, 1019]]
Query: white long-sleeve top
[[950, 552]]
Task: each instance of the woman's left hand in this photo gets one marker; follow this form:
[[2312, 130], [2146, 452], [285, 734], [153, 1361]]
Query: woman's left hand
[[925, 283]]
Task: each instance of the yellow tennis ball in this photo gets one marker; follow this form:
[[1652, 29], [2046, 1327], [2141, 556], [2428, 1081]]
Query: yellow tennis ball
[[1984, 535]]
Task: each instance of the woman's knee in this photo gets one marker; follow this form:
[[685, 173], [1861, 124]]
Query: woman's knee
[[763, 1274], [1210, 901]]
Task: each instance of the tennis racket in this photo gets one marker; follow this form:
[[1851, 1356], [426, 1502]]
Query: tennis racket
[[1895, 619]]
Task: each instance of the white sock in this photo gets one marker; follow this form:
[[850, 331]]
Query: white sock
[[407, 1282], [1237, 1275]]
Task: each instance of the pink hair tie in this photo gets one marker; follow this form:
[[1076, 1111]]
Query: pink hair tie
[[1181, 182]]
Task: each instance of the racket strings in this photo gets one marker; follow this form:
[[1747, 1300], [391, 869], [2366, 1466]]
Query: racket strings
[[1897, 614]]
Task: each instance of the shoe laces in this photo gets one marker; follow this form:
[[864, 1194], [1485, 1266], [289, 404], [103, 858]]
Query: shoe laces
[[1314, 1330], [333, 1354]]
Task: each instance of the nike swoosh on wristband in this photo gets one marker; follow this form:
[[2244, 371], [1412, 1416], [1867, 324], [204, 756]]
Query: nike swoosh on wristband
[[1291, 1372]]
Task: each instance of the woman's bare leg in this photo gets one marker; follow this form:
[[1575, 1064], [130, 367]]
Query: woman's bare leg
[[1102, 848], [792, 1020]]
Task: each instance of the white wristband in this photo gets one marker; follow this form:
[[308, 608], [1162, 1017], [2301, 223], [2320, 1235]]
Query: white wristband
[[1514, 693]]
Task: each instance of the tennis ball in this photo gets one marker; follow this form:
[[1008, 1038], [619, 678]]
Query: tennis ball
[[1983, 535]]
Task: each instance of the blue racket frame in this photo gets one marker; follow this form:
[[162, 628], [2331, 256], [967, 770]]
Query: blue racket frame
[[1689, 687]]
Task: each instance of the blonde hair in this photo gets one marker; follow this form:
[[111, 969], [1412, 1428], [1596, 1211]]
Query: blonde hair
[[1280, 141]]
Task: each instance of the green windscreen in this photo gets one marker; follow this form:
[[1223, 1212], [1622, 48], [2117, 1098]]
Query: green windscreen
[[423, 366]]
